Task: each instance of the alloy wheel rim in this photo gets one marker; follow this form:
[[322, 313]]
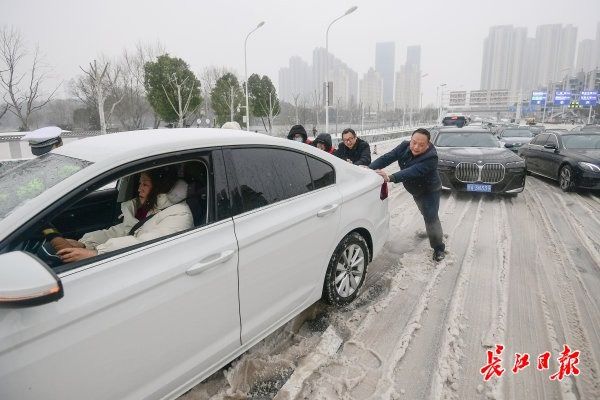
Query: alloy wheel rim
[[349, 271], [565, 178]]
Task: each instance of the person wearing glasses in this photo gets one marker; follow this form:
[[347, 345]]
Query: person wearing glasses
[[353, 149], [418, 162]]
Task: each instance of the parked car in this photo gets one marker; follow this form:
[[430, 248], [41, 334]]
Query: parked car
[[473, 160], [571, 158], [514, 138], [457, 120], [277, 226]]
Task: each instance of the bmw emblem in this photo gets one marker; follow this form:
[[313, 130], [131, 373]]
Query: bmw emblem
[[479, 161]]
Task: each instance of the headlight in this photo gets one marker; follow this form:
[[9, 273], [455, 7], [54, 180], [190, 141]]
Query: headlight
[[446, 162], [516, 164], [589, 166]]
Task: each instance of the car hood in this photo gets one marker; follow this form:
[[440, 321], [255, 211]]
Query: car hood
[[587, 155], [485, 154]]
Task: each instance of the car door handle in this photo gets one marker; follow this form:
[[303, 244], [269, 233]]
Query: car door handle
[[208, 262], [327, 210]]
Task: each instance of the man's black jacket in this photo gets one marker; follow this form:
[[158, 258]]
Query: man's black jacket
[[418, 174], [359, 155]]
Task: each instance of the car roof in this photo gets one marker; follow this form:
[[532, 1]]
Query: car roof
[[126, 145]]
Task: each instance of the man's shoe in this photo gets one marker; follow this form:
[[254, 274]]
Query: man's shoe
[[438, 255]]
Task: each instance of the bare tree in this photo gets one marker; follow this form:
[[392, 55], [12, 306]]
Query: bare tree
[[98, 85], [22, 89], [316, 96], [208, 79], [296, 96], [135, 105]]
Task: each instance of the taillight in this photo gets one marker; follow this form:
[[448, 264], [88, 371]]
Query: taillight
[[383, 194]]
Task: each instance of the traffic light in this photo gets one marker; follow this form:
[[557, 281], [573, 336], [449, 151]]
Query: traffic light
[[574, 104]]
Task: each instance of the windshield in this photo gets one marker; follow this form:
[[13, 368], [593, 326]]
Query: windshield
[[517, 133], [581, 141], [472, 139], [28, 179]]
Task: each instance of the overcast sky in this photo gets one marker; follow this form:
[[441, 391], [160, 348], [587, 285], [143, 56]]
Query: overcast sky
[[71, 33]]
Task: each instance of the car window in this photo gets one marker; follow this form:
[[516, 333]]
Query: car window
[[467, 139], [517, 133], [540, 139], [552, 140], [581, 141], [322, 173], [29, 179], [266, 176], [159, 200]]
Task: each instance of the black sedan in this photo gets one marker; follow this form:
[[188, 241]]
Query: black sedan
[[515, 138], [473, 160], [571, 158]]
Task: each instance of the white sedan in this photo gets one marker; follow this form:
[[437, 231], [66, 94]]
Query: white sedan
[[278, 225]]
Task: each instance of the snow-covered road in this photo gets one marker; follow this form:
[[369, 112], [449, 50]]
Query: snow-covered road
[[523, 272]]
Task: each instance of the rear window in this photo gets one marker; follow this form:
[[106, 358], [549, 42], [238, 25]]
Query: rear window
[[517, 133], [454, 121]]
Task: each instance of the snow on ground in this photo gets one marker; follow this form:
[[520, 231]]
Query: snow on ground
[[520, 271]]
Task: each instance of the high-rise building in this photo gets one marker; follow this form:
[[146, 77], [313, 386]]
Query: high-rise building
[[413, 56], [554, 52], [371, 91], [586, 56], [408, 88], [295, 80], [504, 56], [345, 80], [408, 81], [385, 53], [597, 47]]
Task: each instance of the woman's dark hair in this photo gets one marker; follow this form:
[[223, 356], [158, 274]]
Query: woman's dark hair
[[422, 131], [349, 130], [163, 180]]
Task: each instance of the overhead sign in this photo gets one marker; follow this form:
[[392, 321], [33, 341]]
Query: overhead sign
[[538, 98], [562, 98], [589, 98]]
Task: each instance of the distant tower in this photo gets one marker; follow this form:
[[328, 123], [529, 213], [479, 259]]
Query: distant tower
[[385, 54]]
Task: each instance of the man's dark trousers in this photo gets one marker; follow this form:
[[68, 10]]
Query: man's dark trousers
[[429, 205]]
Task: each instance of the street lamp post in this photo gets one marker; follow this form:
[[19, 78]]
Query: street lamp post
[[246, 73], [349, 11], [441, 100]]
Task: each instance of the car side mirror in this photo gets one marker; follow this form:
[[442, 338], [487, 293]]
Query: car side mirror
[[27, 281], [550, 146], [508, 145]]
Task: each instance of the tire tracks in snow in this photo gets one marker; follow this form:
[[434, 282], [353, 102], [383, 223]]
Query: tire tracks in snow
[[445, 376], [587, 384]]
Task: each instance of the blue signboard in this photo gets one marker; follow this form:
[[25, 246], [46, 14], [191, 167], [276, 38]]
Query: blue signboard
[[538, 98], [589, 98], [562, 98]]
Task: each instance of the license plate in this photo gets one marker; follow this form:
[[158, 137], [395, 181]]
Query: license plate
[[475, 187]]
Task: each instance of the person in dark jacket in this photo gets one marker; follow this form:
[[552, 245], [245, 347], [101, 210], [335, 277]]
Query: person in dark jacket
[[418, 162], [353, 149], [323, 142], [298, 133]]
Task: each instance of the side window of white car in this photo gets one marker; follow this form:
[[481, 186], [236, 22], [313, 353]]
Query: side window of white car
[[266, 175], [322, 173]]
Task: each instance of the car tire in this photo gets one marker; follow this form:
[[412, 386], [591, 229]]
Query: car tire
[[348, 264], [565, 179]]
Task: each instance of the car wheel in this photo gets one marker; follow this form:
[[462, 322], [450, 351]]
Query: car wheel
[[565, 179], [346, 271]]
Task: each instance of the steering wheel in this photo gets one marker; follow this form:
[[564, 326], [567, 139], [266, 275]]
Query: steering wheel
[[42, 248]]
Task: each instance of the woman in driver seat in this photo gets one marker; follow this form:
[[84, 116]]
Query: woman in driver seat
[[159, 210]]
